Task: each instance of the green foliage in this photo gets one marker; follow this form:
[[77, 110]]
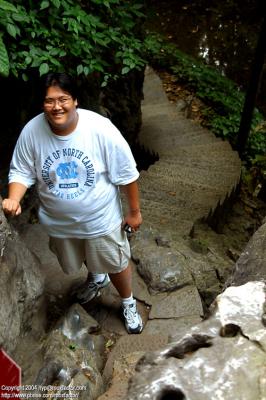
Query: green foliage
[[4, 60], [80, 37]]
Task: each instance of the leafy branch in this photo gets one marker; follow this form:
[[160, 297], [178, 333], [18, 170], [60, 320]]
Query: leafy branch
[[77, 36]]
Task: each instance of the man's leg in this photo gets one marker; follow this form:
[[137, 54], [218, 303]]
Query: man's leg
[[122, 281]]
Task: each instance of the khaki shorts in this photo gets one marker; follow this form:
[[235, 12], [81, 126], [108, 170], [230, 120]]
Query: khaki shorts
[[109, 254]]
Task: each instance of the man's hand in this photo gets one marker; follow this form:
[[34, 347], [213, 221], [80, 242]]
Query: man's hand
[[11, 207], [133, 219]]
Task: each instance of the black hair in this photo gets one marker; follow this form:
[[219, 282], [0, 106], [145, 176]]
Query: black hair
[[62, 80]]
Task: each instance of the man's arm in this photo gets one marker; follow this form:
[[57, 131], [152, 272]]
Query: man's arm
[[133, 216], [11, 205]]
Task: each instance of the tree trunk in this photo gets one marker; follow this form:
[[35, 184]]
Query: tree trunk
[[252, 91]]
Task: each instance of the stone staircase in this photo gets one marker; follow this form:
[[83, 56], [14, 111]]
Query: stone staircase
[[195, 173]]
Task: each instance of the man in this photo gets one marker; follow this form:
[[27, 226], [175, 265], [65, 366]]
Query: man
[[78, 161]]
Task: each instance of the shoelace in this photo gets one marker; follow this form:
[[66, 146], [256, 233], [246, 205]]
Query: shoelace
[[92, 284], [129, 313], [83, 293]]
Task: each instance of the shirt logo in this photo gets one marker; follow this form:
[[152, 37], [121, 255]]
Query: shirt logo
[[67, 170], [75, 175]]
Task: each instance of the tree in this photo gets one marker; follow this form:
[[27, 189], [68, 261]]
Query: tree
[[83, 37], [252, 91]]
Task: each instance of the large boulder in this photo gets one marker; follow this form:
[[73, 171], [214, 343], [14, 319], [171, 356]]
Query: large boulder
[[223, 357], [21, 287], [73, 357]]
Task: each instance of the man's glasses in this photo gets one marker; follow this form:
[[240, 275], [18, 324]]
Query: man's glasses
[[62, 101]]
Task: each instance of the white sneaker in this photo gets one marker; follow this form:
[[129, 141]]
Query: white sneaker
[[91, 290], [133, 321]]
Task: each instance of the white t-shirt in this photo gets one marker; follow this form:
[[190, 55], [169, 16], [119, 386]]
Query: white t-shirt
[[77, 175]]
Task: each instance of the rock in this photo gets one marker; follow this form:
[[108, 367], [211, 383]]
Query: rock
[[123, 370], [251, 263], [68, 365], [210, 271], [225, 351], [72, 356], [140, 289], [162, 268], [21, 286], [5, 231], [78, 326], [172, 327], [166, 265], [183, 302], [244, 307], [233, 254], [77, 323], [181, 105], [162, 241], [199, 246], [203, 272], [209, 294], [130, 344]]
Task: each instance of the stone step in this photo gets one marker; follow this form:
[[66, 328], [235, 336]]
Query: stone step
[[180, 164], [175, 207], [172, 146], [175, 134], [218, 149], [161, 142], [186, 179], [180, 125], [196, 154], [168, 220], [163, 114], [181, 303], [175, 121], [178, 199], [225, 159], [176, 203], [180, 178], [175, 179], [177, 196], [160, 108]]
